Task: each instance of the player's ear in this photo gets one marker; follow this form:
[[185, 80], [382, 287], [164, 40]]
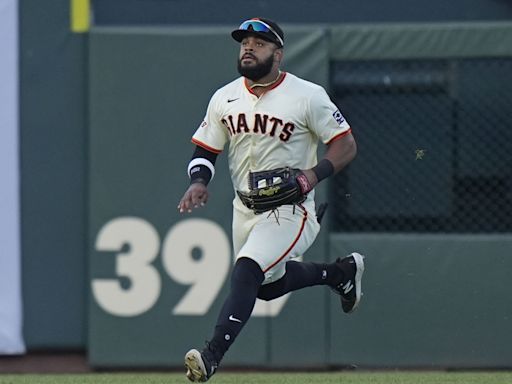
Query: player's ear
[[278, 55]]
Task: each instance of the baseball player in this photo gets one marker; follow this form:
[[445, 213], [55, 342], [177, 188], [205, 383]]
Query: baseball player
[[270, 119]]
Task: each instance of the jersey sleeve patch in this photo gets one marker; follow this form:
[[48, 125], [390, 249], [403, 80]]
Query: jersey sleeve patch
[[338, 117]]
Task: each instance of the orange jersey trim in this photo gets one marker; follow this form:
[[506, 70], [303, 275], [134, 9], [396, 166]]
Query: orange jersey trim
[[276, 84], [339, 136], [207, 147], [304, 219]]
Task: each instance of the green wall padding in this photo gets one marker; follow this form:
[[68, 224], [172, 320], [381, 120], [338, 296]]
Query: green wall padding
[[421, 40], [429, 301]]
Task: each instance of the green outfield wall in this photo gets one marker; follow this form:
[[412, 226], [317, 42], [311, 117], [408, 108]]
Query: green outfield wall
[[430, 301], [157, 279], [53, 146]]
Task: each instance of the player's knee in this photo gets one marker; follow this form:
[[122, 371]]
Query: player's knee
[[246, 271], [273, 290], [265, 294]]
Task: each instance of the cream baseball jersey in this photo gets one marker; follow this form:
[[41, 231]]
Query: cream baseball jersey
[[280, 128]]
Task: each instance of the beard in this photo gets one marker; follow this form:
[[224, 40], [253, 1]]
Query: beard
[[258, 71]]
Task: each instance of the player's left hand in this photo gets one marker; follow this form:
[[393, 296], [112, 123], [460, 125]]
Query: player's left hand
[[270, 189], [194, 197]]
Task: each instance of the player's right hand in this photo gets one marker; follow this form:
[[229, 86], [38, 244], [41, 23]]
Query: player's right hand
[[195, 196]]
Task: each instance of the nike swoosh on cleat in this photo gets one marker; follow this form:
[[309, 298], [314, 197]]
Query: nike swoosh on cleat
[[233, 318]]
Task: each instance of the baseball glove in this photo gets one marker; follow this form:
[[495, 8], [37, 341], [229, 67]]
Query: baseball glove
[[271, 189]]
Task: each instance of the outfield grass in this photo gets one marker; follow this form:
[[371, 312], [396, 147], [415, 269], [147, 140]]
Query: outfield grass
[[268, 378]]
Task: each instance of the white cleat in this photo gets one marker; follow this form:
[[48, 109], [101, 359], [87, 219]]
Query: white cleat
[[199, 367]]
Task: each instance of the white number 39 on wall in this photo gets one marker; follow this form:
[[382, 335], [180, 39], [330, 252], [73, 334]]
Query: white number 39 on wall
[[137, 245]]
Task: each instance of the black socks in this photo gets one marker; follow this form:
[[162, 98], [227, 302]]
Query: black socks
[[246, 280], [300, 275]]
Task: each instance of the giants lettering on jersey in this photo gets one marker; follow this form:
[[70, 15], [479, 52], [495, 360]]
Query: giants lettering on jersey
[[263, 124]]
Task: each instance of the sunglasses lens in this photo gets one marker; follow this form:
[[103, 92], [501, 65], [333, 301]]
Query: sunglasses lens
[[260, 26], [251, 25]]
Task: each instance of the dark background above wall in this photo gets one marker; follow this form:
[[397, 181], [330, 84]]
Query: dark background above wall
[[154, 12]]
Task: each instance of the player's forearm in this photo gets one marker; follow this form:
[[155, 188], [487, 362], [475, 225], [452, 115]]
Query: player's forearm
[[201, 168], [341, 152]]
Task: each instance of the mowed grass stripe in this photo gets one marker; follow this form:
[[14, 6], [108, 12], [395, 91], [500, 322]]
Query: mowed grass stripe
[[395, 377]]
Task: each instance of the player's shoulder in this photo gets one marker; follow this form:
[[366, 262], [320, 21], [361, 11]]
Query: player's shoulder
[[305, 85], [231, 90], [233, 86]]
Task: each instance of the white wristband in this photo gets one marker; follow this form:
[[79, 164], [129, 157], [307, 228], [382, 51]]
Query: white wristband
[[201, 161]]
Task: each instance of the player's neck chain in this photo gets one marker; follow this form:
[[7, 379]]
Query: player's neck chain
[[266, 84]]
